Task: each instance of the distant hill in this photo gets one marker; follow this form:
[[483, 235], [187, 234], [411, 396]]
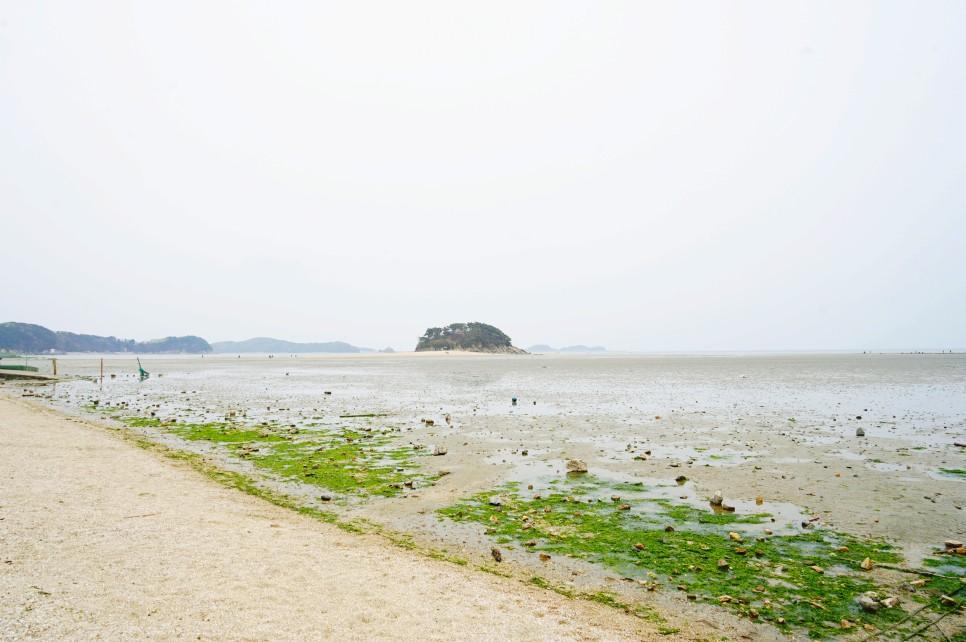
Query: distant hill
[[31, 338], [578, 348], [472, 337], [266, 344]]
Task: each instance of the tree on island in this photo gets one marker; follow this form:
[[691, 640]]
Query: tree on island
[[473, 337]]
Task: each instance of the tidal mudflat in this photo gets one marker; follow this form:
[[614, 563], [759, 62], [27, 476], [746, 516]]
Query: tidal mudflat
[[814, 523]]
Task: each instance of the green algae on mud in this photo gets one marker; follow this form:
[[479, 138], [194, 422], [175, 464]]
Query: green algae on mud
[[809, 580], [359, 463]]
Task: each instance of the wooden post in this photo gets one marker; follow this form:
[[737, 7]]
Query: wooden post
[[102, 368], [55, 366]]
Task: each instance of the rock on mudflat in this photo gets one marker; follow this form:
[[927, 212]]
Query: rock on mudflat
[[496, 500], [868, 603], [576, 466], [952, 543], [717, 499], [439, 450], [860, 432], [497, 555]]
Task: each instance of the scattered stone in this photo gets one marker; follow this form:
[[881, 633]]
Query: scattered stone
[[817, 569], [759, 500], [496, 500], [531, 543], [639, 546], [692, 597], [615, 498], [867, 564], [860, 432], [525, 453], [768, 531], [680, 479], [497, 555], [724, 599], [890, 602], [845, 624], [449, 420], [439, 450], [734, 536], [717, 499], [668, 529], [538, 496], [544, 557], [945, 600], [577, 466], [624, 507], [952, 543], [741, 551], [869, 603], [723, 565], [325, 498]]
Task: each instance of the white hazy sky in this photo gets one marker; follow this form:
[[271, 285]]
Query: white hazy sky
[[641, 175]]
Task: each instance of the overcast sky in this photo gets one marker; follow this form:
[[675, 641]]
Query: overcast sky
[[640, 175]]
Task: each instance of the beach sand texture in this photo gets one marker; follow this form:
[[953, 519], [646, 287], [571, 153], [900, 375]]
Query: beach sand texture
[[100, 539]]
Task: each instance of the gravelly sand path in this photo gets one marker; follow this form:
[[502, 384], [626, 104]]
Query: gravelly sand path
[[102, 540]]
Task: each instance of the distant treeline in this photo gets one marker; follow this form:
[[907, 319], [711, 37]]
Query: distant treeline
[[31, 338]]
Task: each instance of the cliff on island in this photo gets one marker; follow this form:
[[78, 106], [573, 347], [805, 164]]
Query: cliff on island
[[471, 337]]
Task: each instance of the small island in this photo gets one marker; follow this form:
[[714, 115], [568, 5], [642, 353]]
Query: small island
[[471, 337]]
